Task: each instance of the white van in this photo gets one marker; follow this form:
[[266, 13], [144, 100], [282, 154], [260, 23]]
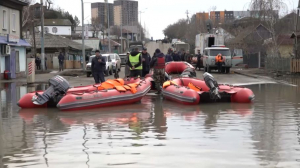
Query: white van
[[209, 58]]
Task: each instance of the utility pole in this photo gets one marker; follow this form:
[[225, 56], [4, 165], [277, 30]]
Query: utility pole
[[187, 15], [121, 38], [296, 30], [127, 29], [122, 28], [82, 36], [108, 27], [42, 37], [141, 24], [34, 44]]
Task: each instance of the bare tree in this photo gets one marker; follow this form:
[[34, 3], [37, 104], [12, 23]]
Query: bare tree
[[268, 11], [48, 4], [115, 30], [96, 26], [26, 14]]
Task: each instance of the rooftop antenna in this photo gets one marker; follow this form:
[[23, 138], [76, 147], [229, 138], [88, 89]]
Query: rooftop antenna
[[187, 15]]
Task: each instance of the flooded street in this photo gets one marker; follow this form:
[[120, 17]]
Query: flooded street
[[154, 133]]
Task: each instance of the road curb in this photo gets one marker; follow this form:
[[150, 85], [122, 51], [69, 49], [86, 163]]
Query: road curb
[[240, 73]]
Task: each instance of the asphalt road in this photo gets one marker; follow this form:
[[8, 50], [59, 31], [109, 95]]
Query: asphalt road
[[231, 78]]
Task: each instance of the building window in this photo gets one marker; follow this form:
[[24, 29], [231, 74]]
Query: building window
[[4, 20], [46, 30], [54, 30], [13, 22]]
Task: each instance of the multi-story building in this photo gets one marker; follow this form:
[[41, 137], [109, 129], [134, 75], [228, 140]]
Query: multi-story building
[[202, 17], [99, 10], [12, 46], [126, 12]]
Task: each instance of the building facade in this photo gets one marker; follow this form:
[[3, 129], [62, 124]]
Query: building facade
[[202, 17], [62, 27], [99, 10], [12, 46], [126, 12]]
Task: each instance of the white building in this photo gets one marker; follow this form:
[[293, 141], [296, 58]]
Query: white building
[[62, 27], [12, 46]]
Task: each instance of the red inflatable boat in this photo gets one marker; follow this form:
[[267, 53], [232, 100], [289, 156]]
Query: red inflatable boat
[[191, 91], [106, 94], [177, 67], [104, 98], [26, 100]]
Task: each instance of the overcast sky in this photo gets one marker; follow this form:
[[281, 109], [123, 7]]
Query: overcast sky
[[160, 13]]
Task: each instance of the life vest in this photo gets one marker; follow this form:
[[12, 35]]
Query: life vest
[[219, 58], [169, 83], [160, 63], [118, 84], [194, 87], [135, 60]]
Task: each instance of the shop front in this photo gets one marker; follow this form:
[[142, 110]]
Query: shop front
[[12, 57]]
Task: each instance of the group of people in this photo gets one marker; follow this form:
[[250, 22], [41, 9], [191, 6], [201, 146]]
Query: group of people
[[139, 64], [38, 62], [178, 56]]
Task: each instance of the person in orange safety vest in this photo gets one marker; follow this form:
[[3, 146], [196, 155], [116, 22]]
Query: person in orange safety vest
[[219, 62]]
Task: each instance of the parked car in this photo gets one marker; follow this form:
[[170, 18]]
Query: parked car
[[116, 62], [109, 67]]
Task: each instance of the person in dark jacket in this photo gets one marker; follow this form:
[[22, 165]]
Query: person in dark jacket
[[98, 67], [146, 62], [38, 63], [135, 63], [169, 56], [127, 68], [198, 65], [183, 55], [61, 59], [158, 64], [175, 56]]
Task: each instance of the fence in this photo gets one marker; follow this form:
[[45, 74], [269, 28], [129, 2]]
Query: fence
[[278, 64], [295, 65], [255, 60]]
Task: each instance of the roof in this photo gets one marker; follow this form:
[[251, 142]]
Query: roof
[[217, 48], [294, 34], [283, 39], [57, 22], [54, 41], [246, 32], [94, 43], [3, 40]]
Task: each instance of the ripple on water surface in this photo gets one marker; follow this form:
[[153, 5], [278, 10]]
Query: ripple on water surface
[[156, 133]]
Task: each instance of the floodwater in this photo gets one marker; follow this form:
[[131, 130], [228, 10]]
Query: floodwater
[[155, 133]]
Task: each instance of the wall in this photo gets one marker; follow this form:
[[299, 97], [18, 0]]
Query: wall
[[9, 13], [117, 15], [285, 51], [61, 30], [94, 12], [2, 63]]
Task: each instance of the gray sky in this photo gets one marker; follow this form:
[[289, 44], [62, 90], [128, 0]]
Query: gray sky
[[160, 13]]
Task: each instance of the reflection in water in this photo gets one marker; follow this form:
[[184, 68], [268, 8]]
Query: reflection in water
[[154, 133], [85, 148]]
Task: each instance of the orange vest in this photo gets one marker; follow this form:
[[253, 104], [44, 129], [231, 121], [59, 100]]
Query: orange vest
[[218, 58]]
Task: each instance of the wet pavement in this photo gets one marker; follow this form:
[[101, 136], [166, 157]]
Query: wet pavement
[[155, 132]]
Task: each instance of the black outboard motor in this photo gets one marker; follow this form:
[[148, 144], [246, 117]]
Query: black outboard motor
[[213, 85], [58, 86], [167, 76], [189, 73]]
